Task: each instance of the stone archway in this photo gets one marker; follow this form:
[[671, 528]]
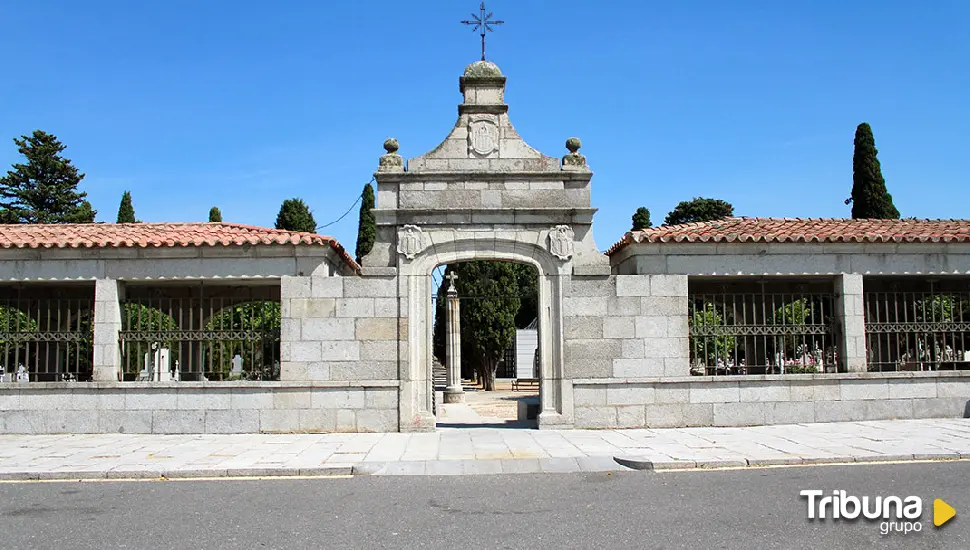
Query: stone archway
[[554, 391], [482, 194]]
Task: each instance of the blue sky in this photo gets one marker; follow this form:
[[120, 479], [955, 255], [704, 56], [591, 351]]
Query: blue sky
[[244, 104]]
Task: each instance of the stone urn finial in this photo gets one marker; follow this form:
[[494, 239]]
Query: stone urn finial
[[574, 160], [391, 161]]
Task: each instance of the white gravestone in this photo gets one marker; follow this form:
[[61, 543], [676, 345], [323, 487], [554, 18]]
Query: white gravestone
[[237, 365]]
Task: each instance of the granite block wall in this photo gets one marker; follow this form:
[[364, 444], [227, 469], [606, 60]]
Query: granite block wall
[[254, 407], [625, 326], [342, 328], [758, 400]]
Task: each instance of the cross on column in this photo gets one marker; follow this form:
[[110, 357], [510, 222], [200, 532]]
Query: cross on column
[[454, 392], [452, 287]]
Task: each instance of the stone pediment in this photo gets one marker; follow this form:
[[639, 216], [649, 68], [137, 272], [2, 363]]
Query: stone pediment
[[484, 179], [483, 139]]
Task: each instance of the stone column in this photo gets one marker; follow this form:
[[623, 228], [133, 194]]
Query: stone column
[[108, 294], [454, 393], [849, 307]]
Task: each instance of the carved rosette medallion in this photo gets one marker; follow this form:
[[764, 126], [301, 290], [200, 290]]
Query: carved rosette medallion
[[561, 242], [482, 137], [410, 241]]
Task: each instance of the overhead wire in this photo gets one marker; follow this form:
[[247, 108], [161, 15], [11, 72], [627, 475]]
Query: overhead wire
[[349, 210]]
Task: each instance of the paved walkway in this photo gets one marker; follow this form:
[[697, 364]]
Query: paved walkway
[[475, 450]]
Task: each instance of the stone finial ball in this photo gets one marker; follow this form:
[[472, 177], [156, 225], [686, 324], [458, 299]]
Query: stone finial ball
[[573, 144], [391, 145]]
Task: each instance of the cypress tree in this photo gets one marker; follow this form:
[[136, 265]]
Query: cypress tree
[[641, 219], [487, 320], [295, 216], [126, 212], [215, 215], [870, 199], [367, 225], [44, 190]]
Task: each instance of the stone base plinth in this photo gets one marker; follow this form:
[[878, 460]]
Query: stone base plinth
[[452, 396], [528, 409]]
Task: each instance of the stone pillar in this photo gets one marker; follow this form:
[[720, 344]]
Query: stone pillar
[[454, 393], [850, 310], [108, 294]]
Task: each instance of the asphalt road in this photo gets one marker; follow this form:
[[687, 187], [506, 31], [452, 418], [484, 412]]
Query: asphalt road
[[698, 509]]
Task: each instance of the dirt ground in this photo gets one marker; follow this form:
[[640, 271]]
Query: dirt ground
[[501, 403]]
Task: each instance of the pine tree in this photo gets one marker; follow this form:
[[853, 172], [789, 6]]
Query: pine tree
[[641, 219], [870, 199], [295, 216], [126, 212], [215, 215], [44, 190], [367, 225], [699, 210]]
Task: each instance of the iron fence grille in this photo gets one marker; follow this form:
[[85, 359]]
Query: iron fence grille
[[50, 338], [213, 334], [917, 324], [762, 327]]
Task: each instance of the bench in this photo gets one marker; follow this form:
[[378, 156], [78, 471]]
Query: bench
[[520, 383]]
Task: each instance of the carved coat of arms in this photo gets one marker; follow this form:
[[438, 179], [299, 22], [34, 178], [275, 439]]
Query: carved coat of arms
[[482, 137], [561, 242], [410, 241]]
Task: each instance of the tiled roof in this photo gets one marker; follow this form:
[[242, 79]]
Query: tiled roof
[[157, 235], [802, 230]]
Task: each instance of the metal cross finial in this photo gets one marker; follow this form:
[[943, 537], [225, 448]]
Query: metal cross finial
[[484, 23]]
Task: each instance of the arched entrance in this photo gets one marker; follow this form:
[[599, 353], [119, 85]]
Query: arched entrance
[[416, 390]]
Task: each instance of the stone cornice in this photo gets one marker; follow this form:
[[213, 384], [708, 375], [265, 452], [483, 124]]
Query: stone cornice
[[480, 82], [482, 109], [474, 175], [484, 216]]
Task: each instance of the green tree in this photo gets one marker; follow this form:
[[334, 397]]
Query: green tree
[[215, 215], [707, 343], [367, 225], [793, 314], [15, 326], [126, 212], [699, 210], [295, 216], [491, 293], [936, 309], [869, 199], [44, 190], [641, 219], [258, 323]]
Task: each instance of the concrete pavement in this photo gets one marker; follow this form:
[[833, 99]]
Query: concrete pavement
[[467, 450]]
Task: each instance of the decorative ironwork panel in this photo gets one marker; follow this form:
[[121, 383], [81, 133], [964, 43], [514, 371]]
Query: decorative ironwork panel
[[201, 333], [917, 323], [769, 326], [46, 333]]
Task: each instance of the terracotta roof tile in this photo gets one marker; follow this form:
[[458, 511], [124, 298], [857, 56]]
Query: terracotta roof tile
[[158, 235], [802, 230]]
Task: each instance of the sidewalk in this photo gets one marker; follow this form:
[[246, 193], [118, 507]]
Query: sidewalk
[[475, 450]]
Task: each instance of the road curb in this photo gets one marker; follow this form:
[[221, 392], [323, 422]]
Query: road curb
[[654, 465], [120, 475]]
